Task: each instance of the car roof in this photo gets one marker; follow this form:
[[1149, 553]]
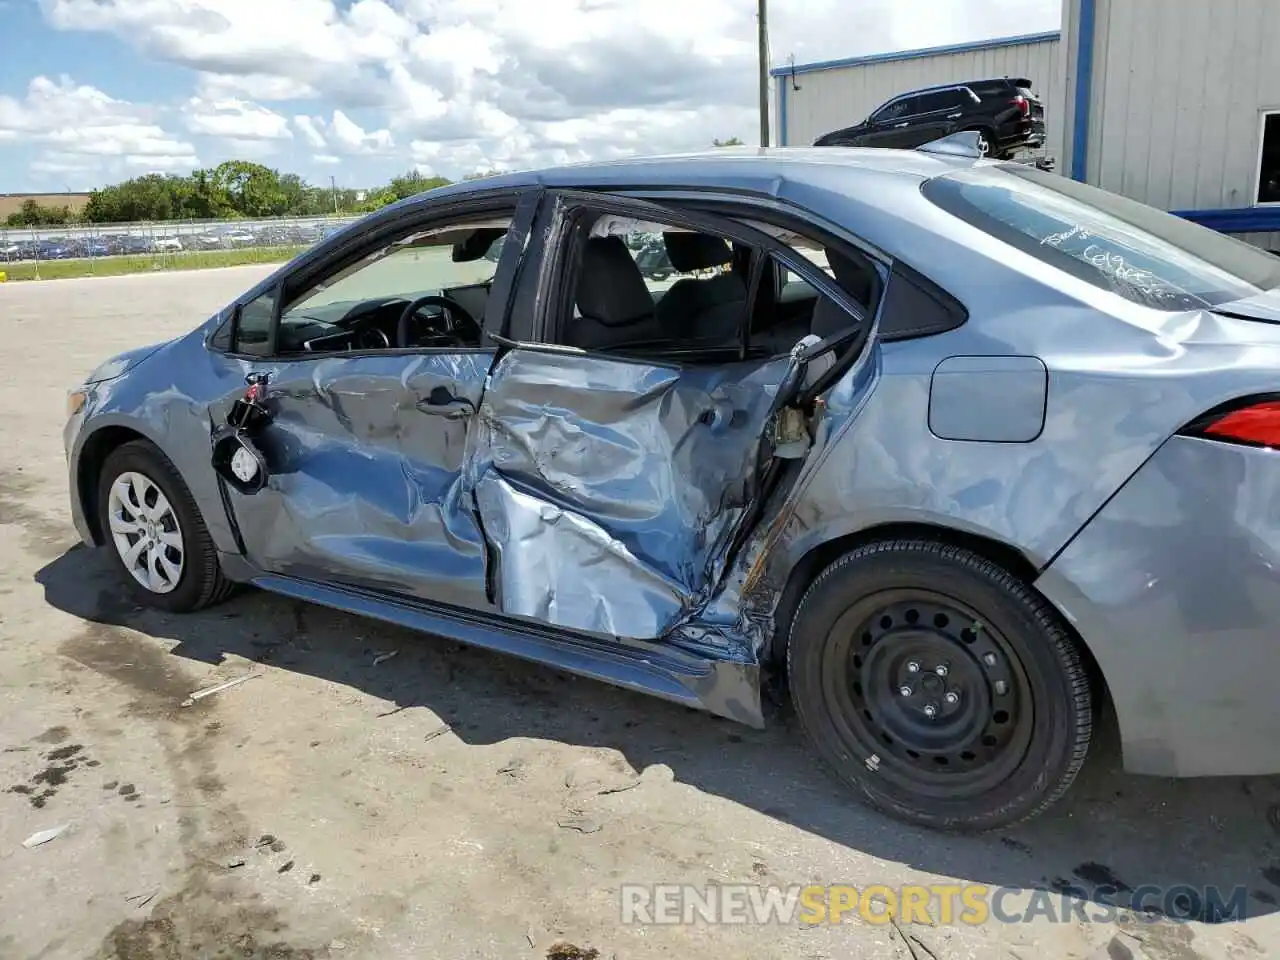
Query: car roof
[[744, 169], [1012, 81]]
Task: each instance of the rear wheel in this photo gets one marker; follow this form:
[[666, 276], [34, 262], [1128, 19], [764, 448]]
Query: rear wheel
[[155, 532], [939, 686]]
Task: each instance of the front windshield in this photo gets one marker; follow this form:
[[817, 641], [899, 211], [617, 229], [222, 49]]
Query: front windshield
[[1145, 255]]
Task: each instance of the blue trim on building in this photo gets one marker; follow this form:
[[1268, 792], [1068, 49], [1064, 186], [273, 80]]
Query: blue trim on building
[[1084, 90], [915, 54], [782, 111], [1236, 219]]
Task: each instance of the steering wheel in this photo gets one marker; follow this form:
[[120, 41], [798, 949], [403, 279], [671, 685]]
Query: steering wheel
[[456, 316]]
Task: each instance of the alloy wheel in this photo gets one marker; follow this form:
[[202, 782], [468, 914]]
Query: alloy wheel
[[146, 532]]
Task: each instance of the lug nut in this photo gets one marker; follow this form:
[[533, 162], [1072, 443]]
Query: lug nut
[[905, 691], [1001, 687], [989, 659], [940, 669], [952, 698], [930, 710], [913, 667]]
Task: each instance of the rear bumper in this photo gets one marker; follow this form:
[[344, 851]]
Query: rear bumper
[[1175, 588], [1028, 135]]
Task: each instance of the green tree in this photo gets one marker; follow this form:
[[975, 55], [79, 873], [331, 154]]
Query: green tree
[[238, 188], [34, 214], [252, 189], [413, 182], [731, 142]]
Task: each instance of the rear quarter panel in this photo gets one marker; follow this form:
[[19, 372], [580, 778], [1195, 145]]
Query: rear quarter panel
[[1122, 378]]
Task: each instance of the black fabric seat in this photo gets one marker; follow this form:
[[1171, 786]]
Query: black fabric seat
[[702, 311], [615, 305]]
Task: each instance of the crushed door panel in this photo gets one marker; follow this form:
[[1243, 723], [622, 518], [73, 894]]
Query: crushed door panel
[[609, 490]]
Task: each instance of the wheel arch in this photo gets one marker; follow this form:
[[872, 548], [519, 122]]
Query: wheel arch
[[92, 455], [1005, 555]]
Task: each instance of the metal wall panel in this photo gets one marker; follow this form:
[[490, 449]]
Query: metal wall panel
[[1177, 97], [844, 95]]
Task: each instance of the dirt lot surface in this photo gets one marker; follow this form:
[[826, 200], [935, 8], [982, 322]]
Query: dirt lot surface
[[318, 810]]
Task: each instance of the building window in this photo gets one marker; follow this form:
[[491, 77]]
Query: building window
[[1269, 160]]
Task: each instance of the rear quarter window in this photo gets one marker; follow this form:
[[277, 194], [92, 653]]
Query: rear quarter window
[[1133, 250]]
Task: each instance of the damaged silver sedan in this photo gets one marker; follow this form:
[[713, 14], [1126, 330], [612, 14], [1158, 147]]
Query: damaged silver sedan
[[958, 448]]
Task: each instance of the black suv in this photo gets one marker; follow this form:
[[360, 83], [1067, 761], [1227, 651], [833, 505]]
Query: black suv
[[1004, 111]]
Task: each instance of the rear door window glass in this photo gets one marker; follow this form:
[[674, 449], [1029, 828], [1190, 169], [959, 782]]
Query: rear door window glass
[[941, 100], [1145, 255]]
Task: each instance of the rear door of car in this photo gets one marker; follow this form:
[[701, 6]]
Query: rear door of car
[[613, 490], [936, 114]]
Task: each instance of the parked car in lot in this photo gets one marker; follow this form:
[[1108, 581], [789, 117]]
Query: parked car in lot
[[959, 448], [1004, 112]]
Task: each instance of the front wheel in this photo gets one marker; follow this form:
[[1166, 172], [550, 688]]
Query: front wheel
[[155, 532], [939, 686]]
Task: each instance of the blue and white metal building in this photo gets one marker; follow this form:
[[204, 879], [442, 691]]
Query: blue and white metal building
[[1175, 103]]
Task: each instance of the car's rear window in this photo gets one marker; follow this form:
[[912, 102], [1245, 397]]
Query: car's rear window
[[1141, 253]]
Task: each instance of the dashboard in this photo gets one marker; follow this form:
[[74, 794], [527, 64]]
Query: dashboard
[[363, 325]]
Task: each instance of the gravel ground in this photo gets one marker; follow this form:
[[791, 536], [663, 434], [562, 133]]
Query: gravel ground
[[317, 810]]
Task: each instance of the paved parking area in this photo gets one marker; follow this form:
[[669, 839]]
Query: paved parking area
[[319, 811]]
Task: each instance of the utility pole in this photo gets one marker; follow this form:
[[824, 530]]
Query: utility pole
[[763, 31], [333, 189]]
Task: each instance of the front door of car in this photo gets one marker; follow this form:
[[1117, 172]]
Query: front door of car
[[371, 401], [890, 125], [612, 485]]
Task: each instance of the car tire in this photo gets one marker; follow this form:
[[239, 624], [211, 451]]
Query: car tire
[[896, 629], [154, 532]]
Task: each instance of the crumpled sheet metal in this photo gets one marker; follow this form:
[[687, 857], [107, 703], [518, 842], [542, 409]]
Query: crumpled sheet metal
[[663, 459], [551, 563], [400, 521]]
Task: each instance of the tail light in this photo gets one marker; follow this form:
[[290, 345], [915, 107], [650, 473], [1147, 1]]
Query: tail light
[[1023, 105], [1254, 422]]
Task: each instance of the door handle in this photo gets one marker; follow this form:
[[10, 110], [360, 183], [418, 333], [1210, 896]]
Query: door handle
[[954, 116], [441, 403], [899, 126]]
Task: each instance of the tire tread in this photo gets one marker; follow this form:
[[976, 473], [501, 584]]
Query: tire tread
[[1053, 631]]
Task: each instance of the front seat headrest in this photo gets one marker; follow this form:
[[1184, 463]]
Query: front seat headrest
[[696, 251]]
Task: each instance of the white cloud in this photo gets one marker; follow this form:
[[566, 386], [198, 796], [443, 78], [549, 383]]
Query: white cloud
[[326, 158], [342, 135], [79, 121], [235, 119], [348, 136], [253, 86], [466, 84], [312, 130]]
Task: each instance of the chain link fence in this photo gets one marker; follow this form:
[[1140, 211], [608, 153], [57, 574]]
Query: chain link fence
[[93, 249]]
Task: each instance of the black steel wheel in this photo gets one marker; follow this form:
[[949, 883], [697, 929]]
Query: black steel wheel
[[939, 685]]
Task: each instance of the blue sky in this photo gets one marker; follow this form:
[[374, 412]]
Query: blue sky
[[92, 91]]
